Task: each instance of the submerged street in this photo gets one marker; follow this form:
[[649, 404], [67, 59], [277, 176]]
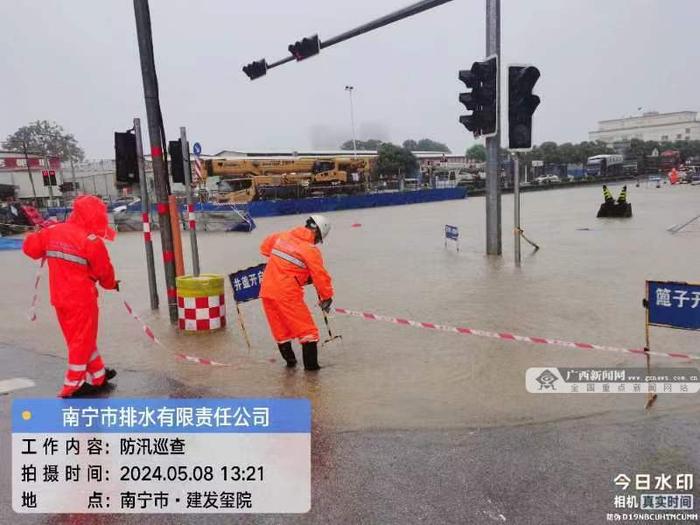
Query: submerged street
[[412, 424]]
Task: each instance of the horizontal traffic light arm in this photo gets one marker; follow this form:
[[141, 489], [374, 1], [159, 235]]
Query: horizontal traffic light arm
[[410, 10]]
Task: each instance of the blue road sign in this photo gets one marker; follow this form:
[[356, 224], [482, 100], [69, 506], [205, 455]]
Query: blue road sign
[[451, 232], [674, 304], [197, 148], [246, 283]]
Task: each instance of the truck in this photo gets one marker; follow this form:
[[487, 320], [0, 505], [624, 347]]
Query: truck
[[670, 159], [247, 179], [604, 166]]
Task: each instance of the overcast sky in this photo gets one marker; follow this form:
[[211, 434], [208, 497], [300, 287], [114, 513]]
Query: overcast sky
[[76, 62]]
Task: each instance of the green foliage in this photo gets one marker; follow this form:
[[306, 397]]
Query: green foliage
[[640, 148], [477, 152], [44, 138], [567, 153], [425, 145], [362, 145], [409, 144], [394, 160]]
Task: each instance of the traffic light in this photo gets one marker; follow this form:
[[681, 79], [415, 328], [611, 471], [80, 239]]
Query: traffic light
[[256, 69], [482, 79], [175, 152], [305, 47], [49, 177], [125, 157], [521, 105]]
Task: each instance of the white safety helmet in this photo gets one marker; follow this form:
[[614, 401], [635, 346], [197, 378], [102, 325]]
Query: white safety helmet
[[321, 223]]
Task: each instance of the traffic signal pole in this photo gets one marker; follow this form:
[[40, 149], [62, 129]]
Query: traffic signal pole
[[260, 67], [191, 222], [160, 173], [493, 144], [516, 208], [146, 216]]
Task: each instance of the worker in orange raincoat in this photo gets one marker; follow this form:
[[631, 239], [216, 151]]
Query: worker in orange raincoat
[[294, 261], [78, 259]]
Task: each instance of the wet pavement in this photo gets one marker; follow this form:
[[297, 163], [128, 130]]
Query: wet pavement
[[413, 425]]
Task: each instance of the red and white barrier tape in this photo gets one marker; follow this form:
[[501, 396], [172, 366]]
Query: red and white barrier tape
[[510, 337], [35, 300], [149, 333]]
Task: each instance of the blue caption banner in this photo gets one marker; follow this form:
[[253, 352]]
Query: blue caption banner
[[161, 415], [451, 232], [246, 283], [674, 304]]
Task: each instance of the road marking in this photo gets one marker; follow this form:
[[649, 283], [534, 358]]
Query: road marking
[[17, 383]]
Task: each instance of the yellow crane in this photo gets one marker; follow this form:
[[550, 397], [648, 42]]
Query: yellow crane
[[249, 179]]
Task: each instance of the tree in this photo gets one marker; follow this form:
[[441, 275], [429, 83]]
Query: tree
[[477, 152], [362, 145], [410, 145], [425, 145], [44, 138], [395, 161]]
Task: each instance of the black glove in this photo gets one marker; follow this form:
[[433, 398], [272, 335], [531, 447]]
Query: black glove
[[116, 285], [326, 304]]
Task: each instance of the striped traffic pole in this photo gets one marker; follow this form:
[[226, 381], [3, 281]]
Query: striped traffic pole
[[192, 223], [145, 217]]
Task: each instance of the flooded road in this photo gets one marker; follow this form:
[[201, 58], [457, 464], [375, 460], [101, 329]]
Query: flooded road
[[585, 284]]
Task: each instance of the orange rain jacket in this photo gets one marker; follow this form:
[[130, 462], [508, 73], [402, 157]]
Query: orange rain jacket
[[76, 255], [293, 260]]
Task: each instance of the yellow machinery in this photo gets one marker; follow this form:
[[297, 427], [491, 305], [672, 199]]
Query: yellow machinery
[[249, 179]]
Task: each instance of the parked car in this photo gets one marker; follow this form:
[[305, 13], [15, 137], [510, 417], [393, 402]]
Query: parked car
[[696, 179], [546, 179]]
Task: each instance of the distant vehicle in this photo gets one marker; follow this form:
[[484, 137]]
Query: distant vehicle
[[670, 159], [696, 179], [546, 179], [604, 166]]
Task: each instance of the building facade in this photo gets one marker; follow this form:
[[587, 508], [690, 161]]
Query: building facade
[[661, 127]]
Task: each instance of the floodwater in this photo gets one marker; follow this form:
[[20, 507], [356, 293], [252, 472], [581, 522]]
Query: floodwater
[[585, 284]]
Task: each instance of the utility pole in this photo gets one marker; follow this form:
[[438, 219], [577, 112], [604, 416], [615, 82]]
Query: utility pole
[[72, 172], [349, 89], [493, 144], [146, 216], [192, 224], [48, 170], [516, 207], [29, 170], [160, 173]]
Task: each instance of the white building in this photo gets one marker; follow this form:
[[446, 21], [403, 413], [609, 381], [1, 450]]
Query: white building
[[662, 127]]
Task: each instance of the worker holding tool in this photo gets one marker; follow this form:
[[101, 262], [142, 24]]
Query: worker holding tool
[[78, 259], [294, 261]]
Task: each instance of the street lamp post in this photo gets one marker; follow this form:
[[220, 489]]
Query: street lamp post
[[352, 120]]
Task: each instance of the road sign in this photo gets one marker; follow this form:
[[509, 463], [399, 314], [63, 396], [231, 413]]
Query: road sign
[[452, 233], [674, 304], [537, 163], [197, 148]]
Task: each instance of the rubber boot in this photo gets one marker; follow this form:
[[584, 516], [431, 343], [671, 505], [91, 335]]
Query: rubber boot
[[310, 355], [288, 354]]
